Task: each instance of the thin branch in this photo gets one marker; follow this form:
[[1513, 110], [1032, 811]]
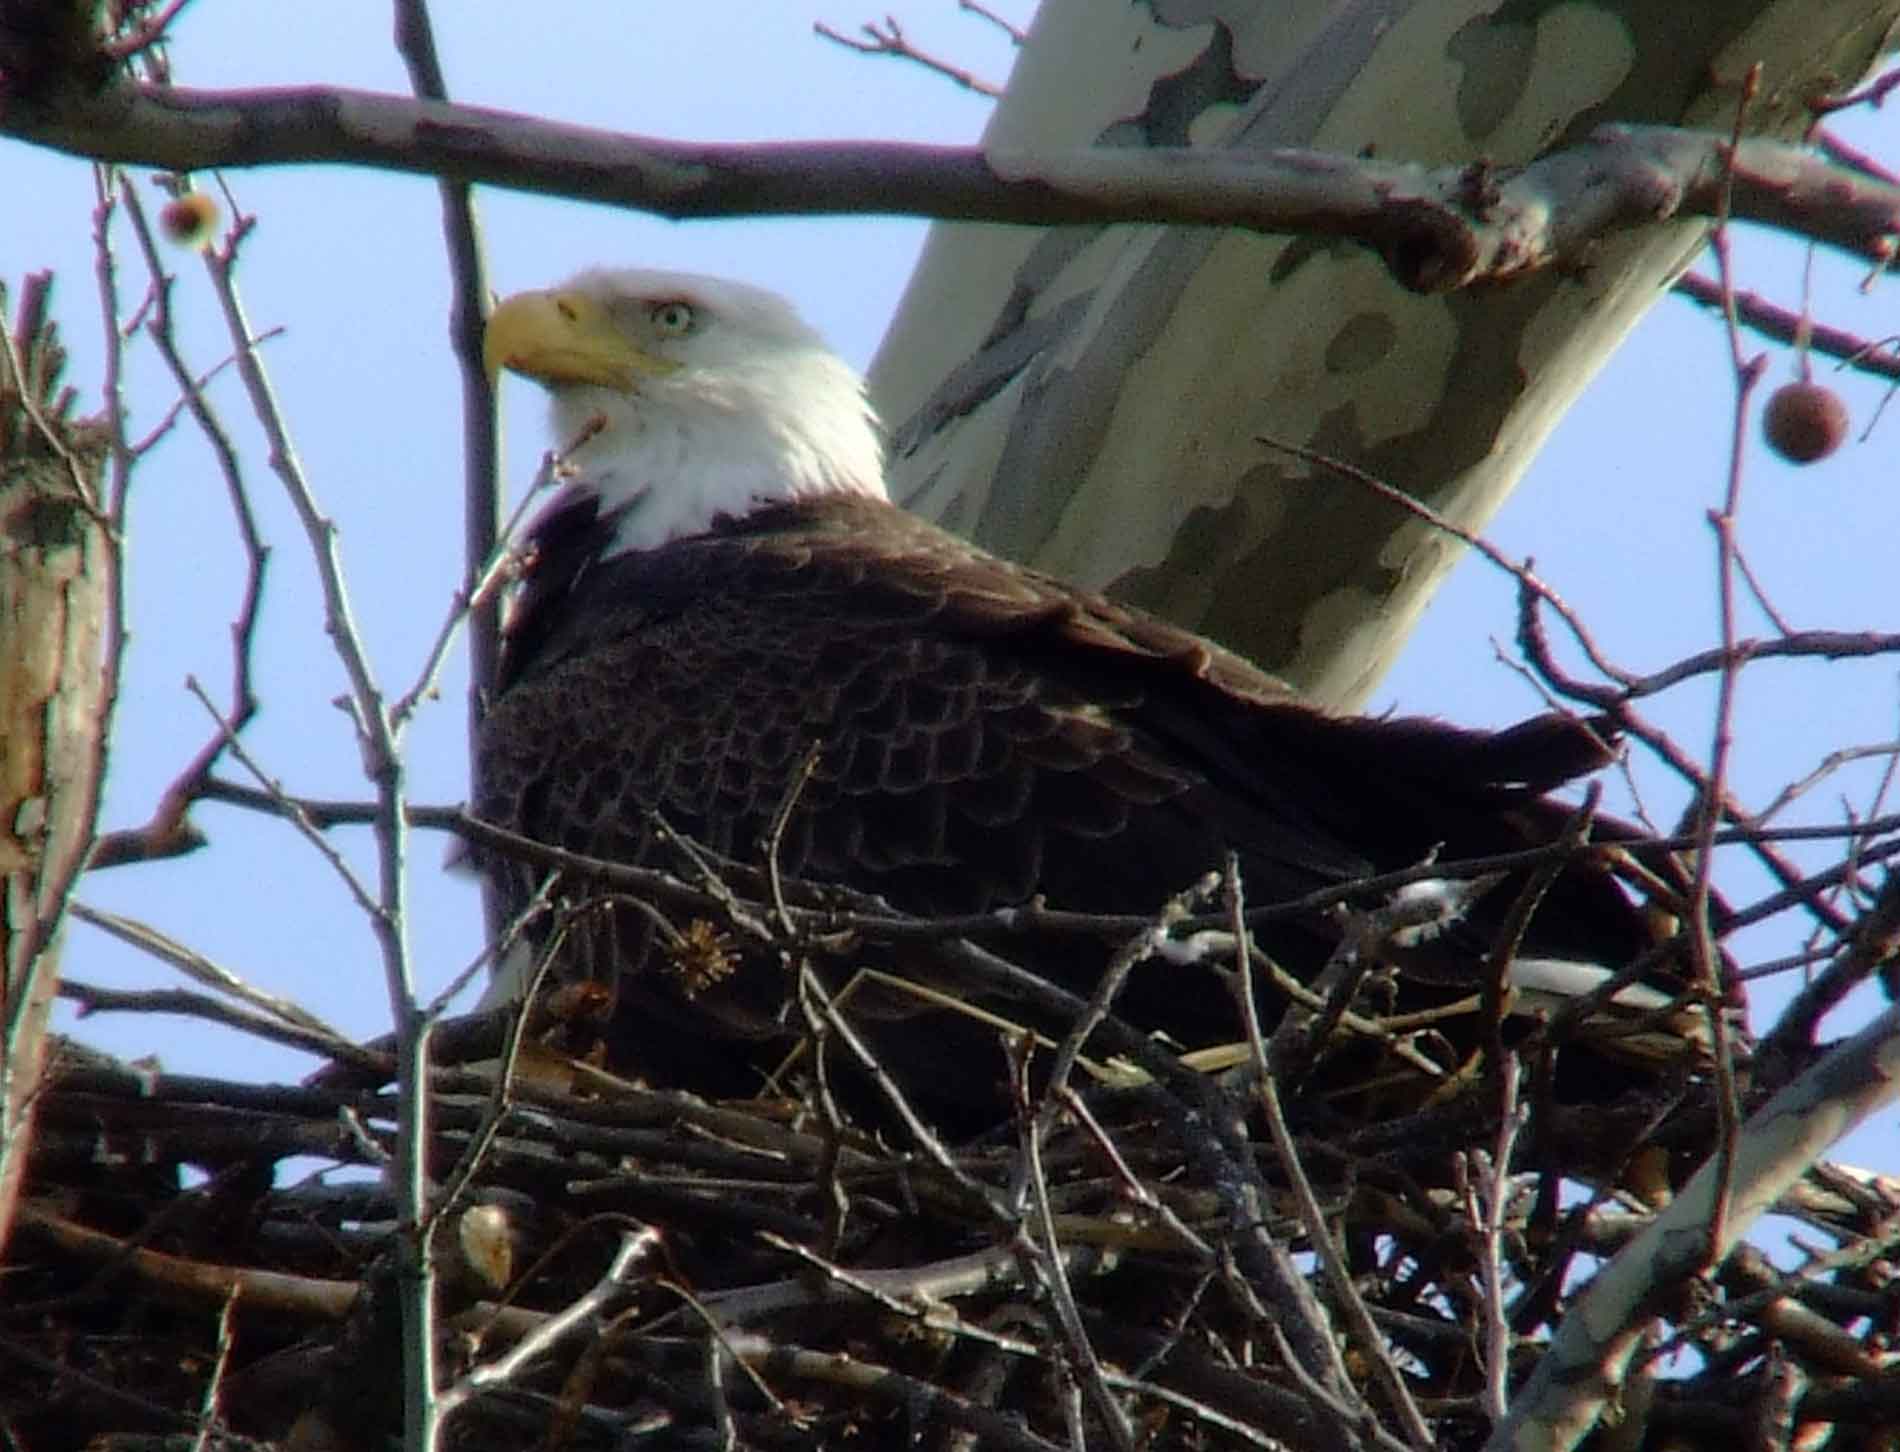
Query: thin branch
[[480, 592], [1042, 1247], [829, 908], [1784, 325], [200, 969], [346, 874], [168, 820], [1528, 581], [481, 426], [1312, 1218], [1017, 35], [378, 739], [889, 40], [1588, 1356], [1487, 1194], [585, 1314]]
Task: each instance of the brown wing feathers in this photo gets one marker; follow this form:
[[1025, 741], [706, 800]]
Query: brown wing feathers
[[983, 735]]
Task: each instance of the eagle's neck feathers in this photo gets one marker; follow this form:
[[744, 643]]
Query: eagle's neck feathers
[[686, 450]]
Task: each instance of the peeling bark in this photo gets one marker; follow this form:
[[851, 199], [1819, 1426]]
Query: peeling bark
[[55, 590]]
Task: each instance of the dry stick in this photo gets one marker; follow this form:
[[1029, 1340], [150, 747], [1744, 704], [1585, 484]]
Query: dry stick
[[1135, 1188], [500, 1102], [357, 888], [1791, 645], [483, 554], [101, 1390], [861, 913], [1131, 955], [890, 40], [1748, 372], [775, 834], [483, 584], [1580, 1406], [308, 1297], [820, 1005], [1527, 579], [181, 405], [1017, 35], [1885, 786], [1771, 320], [468, 311], [584, 1313], [1597, 1338], [723, 1420], [837, 1199], [1807, 891], [197, 966], [934, 1396], [912, 1396], [1874, 940], [214, 1382], [866, 913], [1312, 1218], [1029, 920], [1826, 767], [1536, 647], [95, 998], [913, 1293], [1531, 592], [494, 954], [1212, 1133], [1759, 591], [1487, 1199], [388, 915], [168, 831], [1347, 1414], [1764, 1296], [230, 463], [1031, 1183], [718, 1340]]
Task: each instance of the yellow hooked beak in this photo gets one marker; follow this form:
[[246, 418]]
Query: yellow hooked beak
[[563, 336]]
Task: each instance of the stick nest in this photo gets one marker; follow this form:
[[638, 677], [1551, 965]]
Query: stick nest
[[1125, 1267]]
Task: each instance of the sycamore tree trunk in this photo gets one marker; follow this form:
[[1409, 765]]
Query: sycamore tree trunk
[[1091, 400]]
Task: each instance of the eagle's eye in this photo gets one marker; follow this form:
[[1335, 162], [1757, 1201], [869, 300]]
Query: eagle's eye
[[672, 319]]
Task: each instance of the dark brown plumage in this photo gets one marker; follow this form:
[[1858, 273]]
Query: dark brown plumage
[[724, 597], [983, 734]]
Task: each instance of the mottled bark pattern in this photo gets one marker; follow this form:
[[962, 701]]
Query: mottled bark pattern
[[1092, 400], [55, 575]]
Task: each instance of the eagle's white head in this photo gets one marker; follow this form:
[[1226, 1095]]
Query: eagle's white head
[[712, 398]]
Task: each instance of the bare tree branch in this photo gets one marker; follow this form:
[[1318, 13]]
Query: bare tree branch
[[1438, 228], [1585, 1362], [889, 39], [1771, 320]]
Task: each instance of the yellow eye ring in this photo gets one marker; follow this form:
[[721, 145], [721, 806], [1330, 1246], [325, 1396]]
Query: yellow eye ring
[[672, 319]]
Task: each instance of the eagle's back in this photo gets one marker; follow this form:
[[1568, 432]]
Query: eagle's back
[[956, 733]]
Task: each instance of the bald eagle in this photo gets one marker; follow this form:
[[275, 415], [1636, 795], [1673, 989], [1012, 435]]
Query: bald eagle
[[725, 621]]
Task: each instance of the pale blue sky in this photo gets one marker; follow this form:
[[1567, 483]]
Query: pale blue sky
[[350, 265]]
